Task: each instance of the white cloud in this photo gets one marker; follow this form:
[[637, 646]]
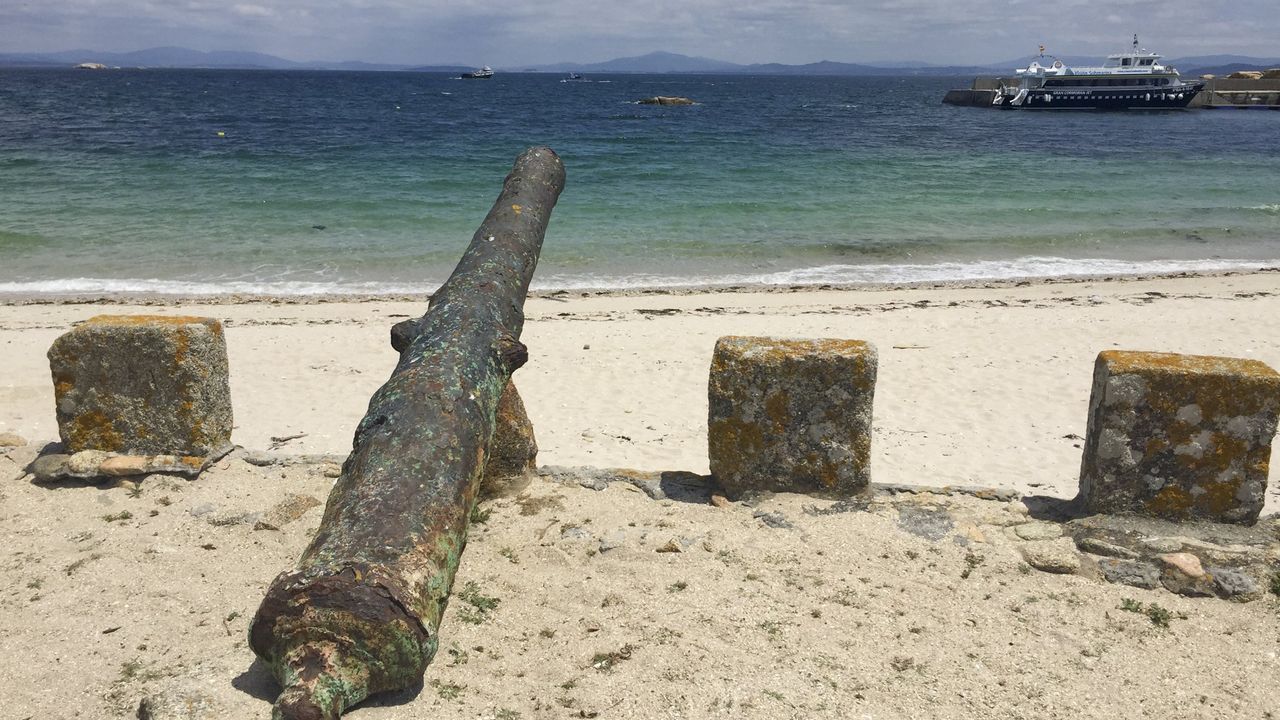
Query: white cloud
[[253, 11], [520, 32]]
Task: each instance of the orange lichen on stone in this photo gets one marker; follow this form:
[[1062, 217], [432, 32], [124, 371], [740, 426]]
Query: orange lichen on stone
[[1158, 445], [144, 320], [734, 440], [776, 407], [828, 476], [776, 351], [1122, 361], [1218, 497], [1171, 502], [94, 430], [181, 345], [1221, 384], [63, 383]]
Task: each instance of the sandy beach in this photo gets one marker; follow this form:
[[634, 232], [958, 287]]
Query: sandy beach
[[826, 615], [985, 385]]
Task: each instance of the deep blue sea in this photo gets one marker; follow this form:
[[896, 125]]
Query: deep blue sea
[[306, 182]]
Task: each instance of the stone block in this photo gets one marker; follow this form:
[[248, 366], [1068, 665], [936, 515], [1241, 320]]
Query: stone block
[[513, 451], [791, 415], [1179, 436], [143, 385]]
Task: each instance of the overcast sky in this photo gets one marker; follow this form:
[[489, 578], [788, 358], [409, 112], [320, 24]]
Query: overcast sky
[[513, 33]]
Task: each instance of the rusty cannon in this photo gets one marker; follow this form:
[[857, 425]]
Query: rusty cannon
[[360, 613]]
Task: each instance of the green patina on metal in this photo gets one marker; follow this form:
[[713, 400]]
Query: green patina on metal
[[359, 614]]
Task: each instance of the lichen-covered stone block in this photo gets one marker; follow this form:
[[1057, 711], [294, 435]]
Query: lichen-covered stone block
[[1179, 436], [143, 385], [791, 415]]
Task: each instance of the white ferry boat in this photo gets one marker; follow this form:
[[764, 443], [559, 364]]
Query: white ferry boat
[[1134, 80], [483, 73]]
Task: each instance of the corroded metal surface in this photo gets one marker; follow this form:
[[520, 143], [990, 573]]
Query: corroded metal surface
[[359, 614]]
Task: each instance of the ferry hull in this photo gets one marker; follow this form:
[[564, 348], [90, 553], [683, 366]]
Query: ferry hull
[[1134, 98]]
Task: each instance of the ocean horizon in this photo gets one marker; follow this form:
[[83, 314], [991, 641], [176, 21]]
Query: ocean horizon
[[197, 182]]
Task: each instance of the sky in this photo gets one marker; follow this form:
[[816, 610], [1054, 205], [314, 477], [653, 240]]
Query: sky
[[515, 33]]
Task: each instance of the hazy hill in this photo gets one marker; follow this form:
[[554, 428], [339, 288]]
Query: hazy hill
[[177, 57], [655, 62], [1224, 70], [1206, 61]]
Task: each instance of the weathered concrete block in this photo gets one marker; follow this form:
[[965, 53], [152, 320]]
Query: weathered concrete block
[[1179, 436], [513, 451], [143, 385], [791, 415]]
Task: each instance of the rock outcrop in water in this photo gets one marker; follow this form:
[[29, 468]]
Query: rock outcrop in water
[[667, 100]]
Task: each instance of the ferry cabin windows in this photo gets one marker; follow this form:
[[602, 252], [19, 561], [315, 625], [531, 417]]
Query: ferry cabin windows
[[1105, 82]]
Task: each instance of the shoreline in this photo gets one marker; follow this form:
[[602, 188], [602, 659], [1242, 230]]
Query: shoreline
[[168, 299]]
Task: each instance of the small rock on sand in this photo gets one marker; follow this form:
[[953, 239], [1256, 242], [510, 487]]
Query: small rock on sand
[[1095, 546], [49, 467], [1038, 531], [10, 440], [124, 466], [613, 541], [86, 463], [259, 458], [1054, 556], [1129, 572], [1185, 563], [1234, 584], [1162, 544], [1183, 574]]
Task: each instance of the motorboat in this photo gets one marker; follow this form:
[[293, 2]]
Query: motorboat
[[483, 73]]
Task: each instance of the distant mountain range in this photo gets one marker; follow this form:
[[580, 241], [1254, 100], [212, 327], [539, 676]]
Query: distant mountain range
[[656, 62], [176, 57]]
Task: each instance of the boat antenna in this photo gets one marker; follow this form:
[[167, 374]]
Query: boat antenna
[[1135, 42]]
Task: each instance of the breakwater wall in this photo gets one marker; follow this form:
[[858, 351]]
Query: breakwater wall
[[1218, 93], [1236, 93]]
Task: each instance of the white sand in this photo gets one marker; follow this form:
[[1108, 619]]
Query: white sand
[[842, 616], [978, 386]]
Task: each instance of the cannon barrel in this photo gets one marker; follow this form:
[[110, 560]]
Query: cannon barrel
[[359, 614]]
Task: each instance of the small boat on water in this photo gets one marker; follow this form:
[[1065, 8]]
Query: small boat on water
[[1134, 80], [575, 77], [483, 73]]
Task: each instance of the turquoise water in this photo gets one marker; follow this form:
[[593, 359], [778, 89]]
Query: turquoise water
[[301, 182]]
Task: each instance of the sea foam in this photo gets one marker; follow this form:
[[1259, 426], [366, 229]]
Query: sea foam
[[894, 273], [839, 274]]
